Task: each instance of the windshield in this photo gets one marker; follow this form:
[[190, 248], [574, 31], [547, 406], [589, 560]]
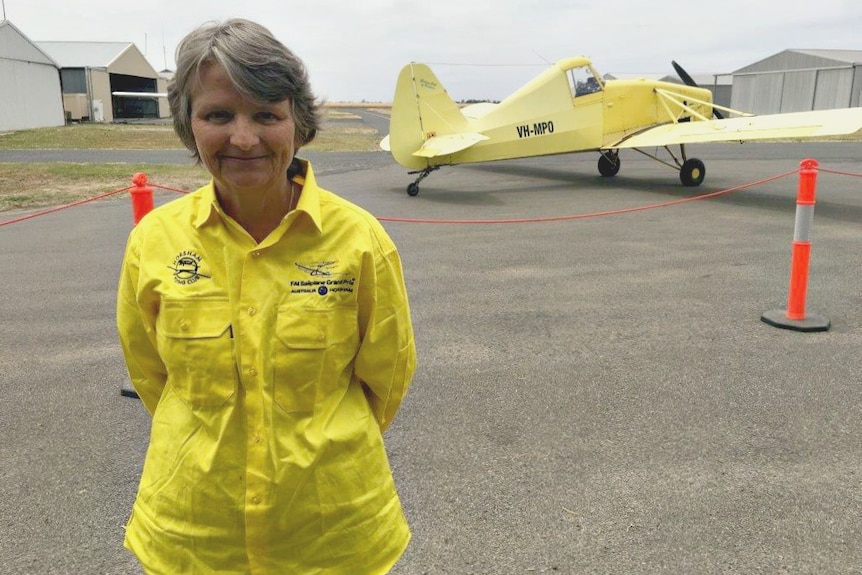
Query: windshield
[[582, 81]]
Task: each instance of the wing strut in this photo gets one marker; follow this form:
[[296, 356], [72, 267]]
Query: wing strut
[[679, 101], [691, 170]]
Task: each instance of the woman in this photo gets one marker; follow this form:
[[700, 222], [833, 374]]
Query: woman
[[265, 326]]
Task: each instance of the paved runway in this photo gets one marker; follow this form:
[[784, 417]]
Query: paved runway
[[594, 395]]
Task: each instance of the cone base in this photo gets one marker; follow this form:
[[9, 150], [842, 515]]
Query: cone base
[[813, 322]]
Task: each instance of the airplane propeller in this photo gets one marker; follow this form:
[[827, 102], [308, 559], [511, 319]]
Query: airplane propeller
[[689, 81]]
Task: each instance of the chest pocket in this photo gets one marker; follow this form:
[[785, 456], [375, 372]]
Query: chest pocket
[[195, 343], [314, 354]]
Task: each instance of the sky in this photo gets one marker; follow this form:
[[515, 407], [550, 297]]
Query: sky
[[478, 49]]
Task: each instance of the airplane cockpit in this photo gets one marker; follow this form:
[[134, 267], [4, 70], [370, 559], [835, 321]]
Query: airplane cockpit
[[583, 81]]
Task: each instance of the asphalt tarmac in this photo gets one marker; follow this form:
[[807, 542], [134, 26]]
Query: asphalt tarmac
[[594, 395]]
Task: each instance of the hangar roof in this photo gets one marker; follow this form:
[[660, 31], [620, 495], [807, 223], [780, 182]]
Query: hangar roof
[[846, 56], [804, 59], [26, 45], [85, 54]]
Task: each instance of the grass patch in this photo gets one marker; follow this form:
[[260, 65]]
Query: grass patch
[[35, 185], [94, 137], [49, 184], [341, 131], [348, 138]]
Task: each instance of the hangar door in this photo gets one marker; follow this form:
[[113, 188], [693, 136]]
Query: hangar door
[[127, 107], [834, 89]]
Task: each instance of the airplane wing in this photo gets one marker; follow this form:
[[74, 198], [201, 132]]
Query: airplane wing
[[449, 144], [791, 126], [140, 94]]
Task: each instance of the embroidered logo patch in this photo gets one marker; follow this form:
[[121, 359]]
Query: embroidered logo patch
[[325, 279], [318, 269], [186, 267]]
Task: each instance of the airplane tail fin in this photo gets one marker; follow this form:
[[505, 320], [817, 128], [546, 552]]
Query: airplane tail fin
[[421, 110]]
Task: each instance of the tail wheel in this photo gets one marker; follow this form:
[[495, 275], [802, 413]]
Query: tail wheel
[[609, 164], [692, 172], [413, 189]]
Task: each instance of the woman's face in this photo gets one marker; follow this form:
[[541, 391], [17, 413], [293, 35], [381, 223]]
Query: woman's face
[[246, 145]]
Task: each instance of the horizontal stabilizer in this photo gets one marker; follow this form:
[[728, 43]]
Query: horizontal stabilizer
[[788, 127], [449, 144]]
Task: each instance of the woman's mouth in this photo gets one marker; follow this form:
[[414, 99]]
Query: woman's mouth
[[242, 158]]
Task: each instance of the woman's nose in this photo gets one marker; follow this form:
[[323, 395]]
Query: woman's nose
[[244, 135]]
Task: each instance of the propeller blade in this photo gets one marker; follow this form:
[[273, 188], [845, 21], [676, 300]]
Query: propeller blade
[[683, 75], [689, 81]]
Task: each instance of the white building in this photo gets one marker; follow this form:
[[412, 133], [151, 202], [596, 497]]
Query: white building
[[92, 71], [30, 94], [798, 81]]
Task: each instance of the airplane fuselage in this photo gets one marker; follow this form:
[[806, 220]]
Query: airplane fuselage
[[565, 109]]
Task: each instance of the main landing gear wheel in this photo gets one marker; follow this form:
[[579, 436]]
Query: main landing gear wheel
[[609, 164], [692, 172], [412, 189]]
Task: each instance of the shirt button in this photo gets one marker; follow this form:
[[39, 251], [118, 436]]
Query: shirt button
[[255, 254], [251, 311], [255, 499], [252, 371], [257, 438], [184, 325]]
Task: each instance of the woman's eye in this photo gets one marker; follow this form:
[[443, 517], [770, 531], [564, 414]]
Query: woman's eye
[[218, 117], [266, 117]]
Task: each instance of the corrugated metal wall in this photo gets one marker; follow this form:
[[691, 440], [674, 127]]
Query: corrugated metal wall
[[833, 89], [792, 81], [30, 87], [798, 91], [856, 96], [29, 96], [757, 93]]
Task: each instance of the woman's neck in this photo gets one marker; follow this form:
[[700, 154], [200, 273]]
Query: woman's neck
[[260, 213]]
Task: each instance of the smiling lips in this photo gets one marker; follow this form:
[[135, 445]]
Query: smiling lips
[[241, 158]]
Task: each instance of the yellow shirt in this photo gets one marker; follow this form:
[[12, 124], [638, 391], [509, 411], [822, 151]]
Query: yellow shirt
[[270, 371]]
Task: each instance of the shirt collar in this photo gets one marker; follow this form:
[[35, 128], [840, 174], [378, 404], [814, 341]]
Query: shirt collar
[[309, 200], [207, 207]]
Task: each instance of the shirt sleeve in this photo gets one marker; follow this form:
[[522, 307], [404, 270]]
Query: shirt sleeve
[[387, 353], [136, 319]]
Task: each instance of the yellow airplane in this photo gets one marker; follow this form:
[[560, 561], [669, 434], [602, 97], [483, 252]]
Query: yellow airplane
[[570, 108]]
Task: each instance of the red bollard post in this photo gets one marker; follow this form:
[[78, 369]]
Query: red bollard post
[[142, 204], [794, 317], [142, 196]]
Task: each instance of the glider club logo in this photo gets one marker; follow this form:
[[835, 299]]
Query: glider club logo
[[323, 279], [187, 266]]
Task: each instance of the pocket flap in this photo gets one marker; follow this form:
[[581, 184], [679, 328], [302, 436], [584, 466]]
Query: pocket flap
[[311, 328], [197, 318]]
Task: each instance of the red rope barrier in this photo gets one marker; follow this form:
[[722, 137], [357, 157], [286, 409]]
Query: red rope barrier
[[463, 221], [840, 173], [593, 214], [177, 190], [63, 207]]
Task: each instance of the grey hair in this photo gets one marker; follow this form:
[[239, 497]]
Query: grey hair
[[262, 69]]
